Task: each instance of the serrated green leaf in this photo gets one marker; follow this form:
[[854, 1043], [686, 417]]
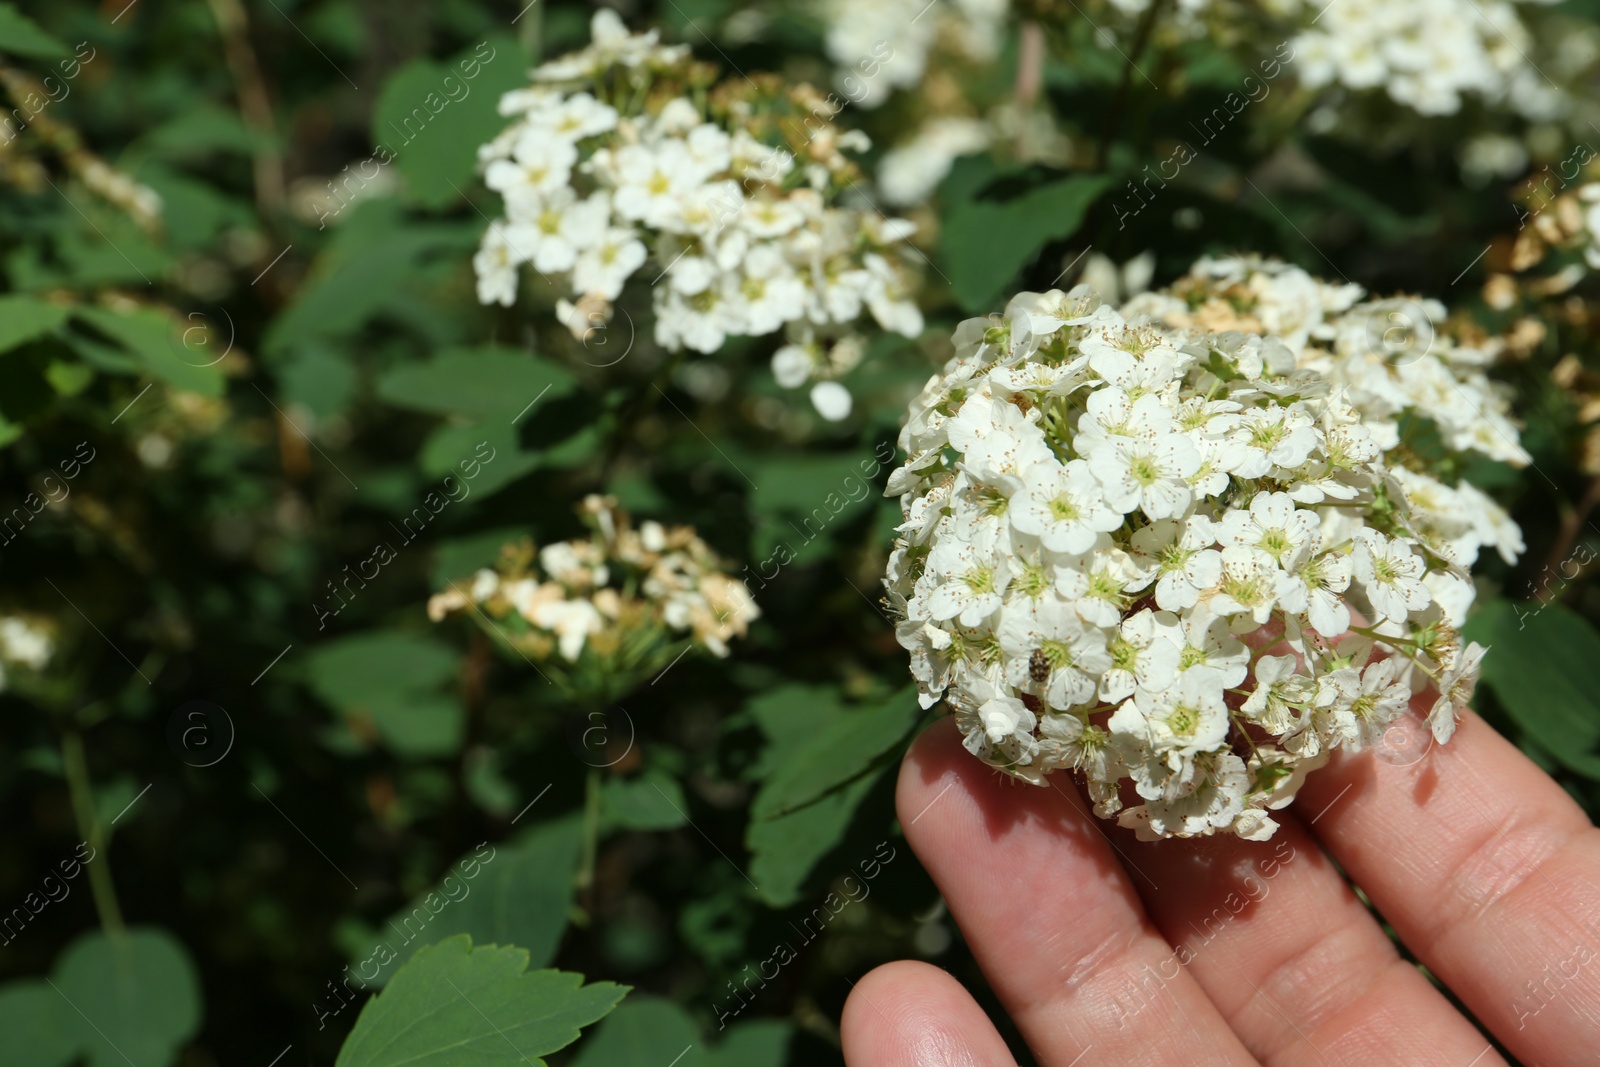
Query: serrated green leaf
[[520, 896], [1541, 667], [987, 242], [21, 36], [135, 997], [474, 381], [453, 1005], [846, 747], [23, 318]]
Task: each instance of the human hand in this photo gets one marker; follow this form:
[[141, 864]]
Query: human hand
[[1106, 950]]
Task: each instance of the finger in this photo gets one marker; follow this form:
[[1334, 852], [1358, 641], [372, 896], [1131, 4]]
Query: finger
[[1292, 960], [1048, 912], [1488, 871], [911, 1014]]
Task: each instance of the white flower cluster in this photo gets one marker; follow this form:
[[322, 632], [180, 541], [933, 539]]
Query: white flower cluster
[[23, 643], [624, 595], [746, 238], [1427, 53], [1393, 356], [885, 45], [911, 170], [1589, 197], [1146, 552]]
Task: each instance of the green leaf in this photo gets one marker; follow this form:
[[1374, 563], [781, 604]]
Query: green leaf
[[38, 1025], [460, 557], [22, 318], [134, 996], [652, 801], [801, 501], [363, 271], [393, 680], [519, 896], [1541, 667], [197, 132], [451, 445], [454, 1005], [648, 1031], [645, 1032], [757, 1043], [474, 381], [785, 849], [987, 242], [155, 338], [21, 36], [431, 117], [787, 716], [319, 378], [848, 746]]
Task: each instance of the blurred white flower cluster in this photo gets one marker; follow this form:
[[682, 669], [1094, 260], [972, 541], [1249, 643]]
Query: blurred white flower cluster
[[620, 154], [1426, 54], [603, 612], [1144, 550], [883, 46], [23, 643]]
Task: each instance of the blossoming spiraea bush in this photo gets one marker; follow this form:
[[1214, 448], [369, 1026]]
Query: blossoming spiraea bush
[[1146, 553], [599, 615], [625, 153]]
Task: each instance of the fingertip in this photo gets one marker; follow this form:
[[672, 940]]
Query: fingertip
[[912, 1014]]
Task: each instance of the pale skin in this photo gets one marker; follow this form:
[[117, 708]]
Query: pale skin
[[1105, 950]]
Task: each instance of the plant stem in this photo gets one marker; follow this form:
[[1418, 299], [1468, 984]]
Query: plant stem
[[591, 836], [255, 106], [1571, 526], [100, 884], [1120, 100]]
